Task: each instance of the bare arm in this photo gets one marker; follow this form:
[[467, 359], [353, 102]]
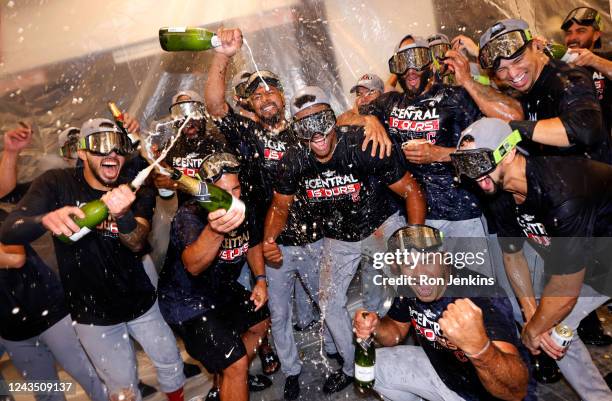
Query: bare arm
[[586, 58], [411, 192], [201, 253], [386, 331], [136, 239], [14, 141], [502, 371], [214, 91], [275, 222], [491, 102], [518, 274], [12, 256], [255, 258]]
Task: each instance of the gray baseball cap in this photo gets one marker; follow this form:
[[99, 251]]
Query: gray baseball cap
[[438, 39], [370, 82], [310, 95], [193, 95], [70, 134], [96, 125], [501, 27], [487, 133]]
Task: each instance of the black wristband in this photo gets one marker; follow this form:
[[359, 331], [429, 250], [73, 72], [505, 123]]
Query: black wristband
[[126, 223], [260, 277], [525, 127]]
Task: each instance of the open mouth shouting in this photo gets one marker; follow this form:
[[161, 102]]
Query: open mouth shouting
[[109, 168]]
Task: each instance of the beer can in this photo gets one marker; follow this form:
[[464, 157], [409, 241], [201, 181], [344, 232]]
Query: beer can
[[562, 335]]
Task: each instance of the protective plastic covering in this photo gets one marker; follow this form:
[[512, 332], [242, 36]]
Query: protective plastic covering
[[61, 60]]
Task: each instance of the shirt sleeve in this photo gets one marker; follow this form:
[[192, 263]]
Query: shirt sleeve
[[468, 112], [187, 226], [234, 128], [509, 234], [23, 224], [580, 110], [498, 319], [390, 169], [379, 107], [400, 310], [144, 205], [17, 193], [288, 173]]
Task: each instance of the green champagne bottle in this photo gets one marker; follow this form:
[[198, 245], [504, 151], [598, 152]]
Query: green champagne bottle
[[365, 363], [95, 213], [176, 39], [209, 196], [560, 52]]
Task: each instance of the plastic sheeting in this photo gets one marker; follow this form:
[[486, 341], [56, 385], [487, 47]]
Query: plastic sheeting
[[63, 59]]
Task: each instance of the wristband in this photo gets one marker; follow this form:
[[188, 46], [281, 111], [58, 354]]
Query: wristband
[[479, 353], [260, 277], [126, 223], [525, 128]]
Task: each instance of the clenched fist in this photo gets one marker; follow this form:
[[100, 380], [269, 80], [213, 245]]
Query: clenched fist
[[462, 324]]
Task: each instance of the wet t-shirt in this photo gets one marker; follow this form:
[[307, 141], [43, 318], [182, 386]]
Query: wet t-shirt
[[184, 296], [347, 200], [569, 94], [104, 281], [189, 152], [260, 152], [567, 217], [31, 299], [603, 91], [439, 115], [450, 362]]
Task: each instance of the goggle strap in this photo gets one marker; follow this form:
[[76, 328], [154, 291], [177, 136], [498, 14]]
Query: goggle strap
[[506, 146], [528, 36]]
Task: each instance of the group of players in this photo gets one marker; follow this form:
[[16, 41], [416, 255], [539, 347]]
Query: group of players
[[521, 155]]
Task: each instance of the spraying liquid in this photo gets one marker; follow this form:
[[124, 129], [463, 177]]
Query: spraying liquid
[[255, 64], [142, 175]]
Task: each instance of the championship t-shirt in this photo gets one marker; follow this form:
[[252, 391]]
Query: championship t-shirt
[[603, 91], [348, 193], [438, 116], [184, 296], [104, 281], [566, 216], [454, 368], [260, 152]]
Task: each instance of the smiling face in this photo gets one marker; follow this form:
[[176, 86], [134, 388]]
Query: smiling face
[[522, 72], [230, 183], [101, 172], [321, 145], [268, 105], [365, 96], [581, 37]]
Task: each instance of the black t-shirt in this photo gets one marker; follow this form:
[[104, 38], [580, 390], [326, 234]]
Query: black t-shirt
[[450, 362], [187, 154], [603, 91], [184, 296], [569, 94], [104, 281], [31, 299], [260, 152], [342, 192], [439, 115], [567, 217]]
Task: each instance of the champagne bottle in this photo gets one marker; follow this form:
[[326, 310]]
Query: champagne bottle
[[95, 213], [365, 362], [560, 52], [118, 117], [209, 196], [176, 39], [545, 370]]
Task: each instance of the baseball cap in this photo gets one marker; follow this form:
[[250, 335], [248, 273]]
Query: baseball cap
[[418, 42], [488, 133], [311, 95], [258, 78], [217, 164], [370, 82], [501, 27], [239, 83], [193, 95], [438, 39], [70, 134], [96, 125]]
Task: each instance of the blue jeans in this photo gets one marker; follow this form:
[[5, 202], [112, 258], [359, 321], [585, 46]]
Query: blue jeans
[[35, 358], [112, 354]]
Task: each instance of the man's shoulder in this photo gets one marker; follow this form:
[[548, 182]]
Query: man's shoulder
[[563, 72]]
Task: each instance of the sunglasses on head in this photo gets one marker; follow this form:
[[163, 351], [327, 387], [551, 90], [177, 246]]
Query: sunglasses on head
[[582, 16], [415, 236], [217, 164]]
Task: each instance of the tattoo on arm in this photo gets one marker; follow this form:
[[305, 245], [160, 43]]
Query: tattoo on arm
[[135, 239]]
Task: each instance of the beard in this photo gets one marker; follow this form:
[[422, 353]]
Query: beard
[[412, 92], [101, 180], [586, 45], [271, 120]]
